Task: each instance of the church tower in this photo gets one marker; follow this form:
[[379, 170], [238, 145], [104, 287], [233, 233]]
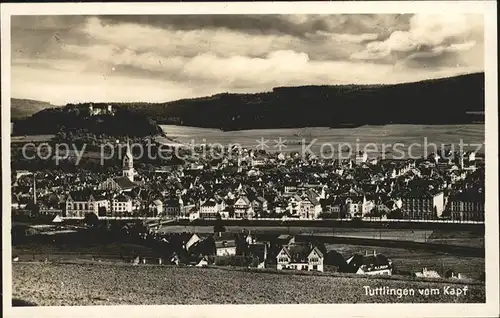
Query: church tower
[[128, 164]]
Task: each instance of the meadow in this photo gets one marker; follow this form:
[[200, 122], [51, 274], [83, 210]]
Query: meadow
[[389, 135], [450, 237], [111, 284]]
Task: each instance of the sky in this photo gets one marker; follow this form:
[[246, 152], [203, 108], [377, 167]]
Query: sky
[[69, 59]]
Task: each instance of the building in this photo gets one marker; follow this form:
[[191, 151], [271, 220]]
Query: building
[[173, 207], [243, 208], [193, 240], [128, 164], [210, 208], [225, 244], [100, 110], [424, 206], [122, 205], [361, 157], [309, 206], [300, 257], [156, 207], [467, 206], [354, 206], [427, 273], [376, 264], [259, 205], [80, 203]]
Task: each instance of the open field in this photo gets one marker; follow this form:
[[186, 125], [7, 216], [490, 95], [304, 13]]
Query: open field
[[115, 252], [105, 284], [451, 237], [379, 135], [31, 138]]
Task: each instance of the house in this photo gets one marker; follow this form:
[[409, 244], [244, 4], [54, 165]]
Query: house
[[376, 264], [243, 208], [156, 207], [368, 205], [259, 205], [294, 205], [427, 273], [290, 188], [334, 206], [354, 206], [210, 208], [173, 206], [193, 240], [309, 206], [225, 247], [300, 257], [122, 204]]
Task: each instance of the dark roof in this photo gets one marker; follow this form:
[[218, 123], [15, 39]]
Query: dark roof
[[172, 202], [80, 195], [210, 202], [223, 236], [299, 252], [124, 182], [122, 198], [225, 243], [369, 262]]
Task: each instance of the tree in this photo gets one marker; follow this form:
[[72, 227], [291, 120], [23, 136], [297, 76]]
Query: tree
[[91, 219], [219, 226]]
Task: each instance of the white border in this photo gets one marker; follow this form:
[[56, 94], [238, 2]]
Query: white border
[[488, 8]]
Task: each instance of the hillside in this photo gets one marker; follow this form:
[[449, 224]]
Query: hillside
[[22, 108], [77, 119], [113, 284], [456, 100]]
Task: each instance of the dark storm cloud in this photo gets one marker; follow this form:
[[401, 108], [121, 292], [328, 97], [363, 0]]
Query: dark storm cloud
[[297, 25]]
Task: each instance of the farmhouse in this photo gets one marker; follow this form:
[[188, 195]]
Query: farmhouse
[[225, 247], [427, 273], [300, 257], [376, 264]]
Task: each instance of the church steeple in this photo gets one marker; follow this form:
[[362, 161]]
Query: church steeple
[[128, 163]]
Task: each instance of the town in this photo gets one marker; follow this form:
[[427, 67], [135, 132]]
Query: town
[[257, 185]]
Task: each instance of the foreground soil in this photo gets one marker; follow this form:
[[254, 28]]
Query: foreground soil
[[54, 284]]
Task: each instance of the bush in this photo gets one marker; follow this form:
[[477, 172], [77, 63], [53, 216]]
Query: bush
[[234, 260]]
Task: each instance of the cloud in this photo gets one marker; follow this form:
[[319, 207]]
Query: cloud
[[160, 58], [427, 36]]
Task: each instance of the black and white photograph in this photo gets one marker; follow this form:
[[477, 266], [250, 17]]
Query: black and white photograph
[[248, 154]]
